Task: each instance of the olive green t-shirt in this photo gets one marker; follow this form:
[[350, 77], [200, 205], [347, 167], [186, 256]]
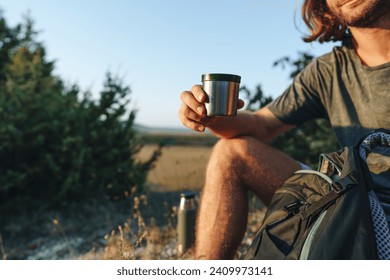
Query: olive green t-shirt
[[355, 98]]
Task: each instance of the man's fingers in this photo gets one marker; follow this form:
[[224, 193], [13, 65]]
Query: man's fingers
[[240, 104], [199, 93], [188, 113], [192, 112], [185, 117], [188, 98]]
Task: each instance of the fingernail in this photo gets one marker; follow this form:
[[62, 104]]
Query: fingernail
[[200, 110], [200, 97], [200, 128]]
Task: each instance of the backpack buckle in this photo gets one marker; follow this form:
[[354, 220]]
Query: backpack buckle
[[343, 184], [337, 187]]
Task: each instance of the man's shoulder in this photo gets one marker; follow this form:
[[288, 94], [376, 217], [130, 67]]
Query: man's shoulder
[[329, 62], [334, 56]]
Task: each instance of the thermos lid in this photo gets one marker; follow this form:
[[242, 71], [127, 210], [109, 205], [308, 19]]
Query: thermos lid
[[187, 194], [221, 77]]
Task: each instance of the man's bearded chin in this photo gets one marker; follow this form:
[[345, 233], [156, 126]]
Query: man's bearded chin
[[365, 17]]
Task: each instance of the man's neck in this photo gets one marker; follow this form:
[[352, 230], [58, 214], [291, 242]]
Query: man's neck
[[372, 45]]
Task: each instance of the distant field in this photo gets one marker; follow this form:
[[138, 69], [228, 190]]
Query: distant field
[[182, 164]]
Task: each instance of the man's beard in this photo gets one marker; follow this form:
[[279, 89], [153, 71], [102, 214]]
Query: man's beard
[[365, 16]]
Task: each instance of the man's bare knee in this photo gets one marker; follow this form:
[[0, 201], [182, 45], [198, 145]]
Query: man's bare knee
[[251, 164], [230, 155], [237, 152]]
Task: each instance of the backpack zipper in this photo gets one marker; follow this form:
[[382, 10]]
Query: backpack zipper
[[292, 207], [291, 210]]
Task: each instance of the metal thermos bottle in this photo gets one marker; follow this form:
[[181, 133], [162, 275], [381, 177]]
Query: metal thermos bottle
[[186, 219], [222, 93]]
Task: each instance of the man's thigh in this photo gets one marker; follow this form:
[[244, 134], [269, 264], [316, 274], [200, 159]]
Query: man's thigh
[[265, 168]]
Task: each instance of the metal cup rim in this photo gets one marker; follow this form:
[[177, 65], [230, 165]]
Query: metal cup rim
[[221, 77]]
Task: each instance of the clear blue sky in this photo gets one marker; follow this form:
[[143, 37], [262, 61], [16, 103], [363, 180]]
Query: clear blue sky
[[161, 48]]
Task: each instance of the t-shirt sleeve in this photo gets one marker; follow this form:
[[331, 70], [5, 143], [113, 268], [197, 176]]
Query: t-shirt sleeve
[[301, 101]]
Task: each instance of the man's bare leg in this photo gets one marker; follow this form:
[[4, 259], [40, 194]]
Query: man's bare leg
[[236, 166]]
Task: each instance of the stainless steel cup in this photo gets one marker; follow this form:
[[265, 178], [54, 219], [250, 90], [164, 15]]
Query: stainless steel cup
[[222, 93]]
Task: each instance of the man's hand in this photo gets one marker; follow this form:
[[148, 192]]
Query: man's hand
[[192, 112]]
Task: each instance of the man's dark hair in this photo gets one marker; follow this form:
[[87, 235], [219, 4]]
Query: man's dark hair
[[323, 25]]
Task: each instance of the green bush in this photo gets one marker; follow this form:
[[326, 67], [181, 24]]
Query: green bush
[[57, 143]]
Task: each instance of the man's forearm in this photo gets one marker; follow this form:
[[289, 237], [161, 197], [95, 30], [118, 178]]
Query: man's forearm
[[262, 125], [230, 127]]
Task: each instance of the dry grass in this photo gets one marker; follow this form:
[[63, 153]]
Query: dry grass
[[178, 168], [150, 242]]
